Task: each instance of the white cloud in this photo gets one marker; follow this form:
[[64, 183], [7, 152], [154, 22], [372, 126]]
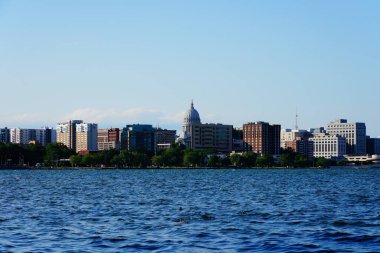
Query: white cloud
[[110, 117], [104, 115]]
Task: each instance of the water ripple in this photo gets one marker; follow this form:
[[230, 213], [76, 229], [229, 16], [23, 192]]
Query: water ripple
[[190, 210]]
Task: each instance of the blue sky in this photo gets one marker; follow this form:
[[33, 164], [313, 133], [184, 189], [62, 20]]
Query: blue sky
[[119, 62]]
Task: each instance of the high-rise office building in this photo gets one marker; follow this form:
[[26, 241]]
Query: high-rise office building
[[165, 138], [373, 146], [355, 134], [211, 136], [139, 137], [237, 140], [262, 138], [5, 135], [44, 136]]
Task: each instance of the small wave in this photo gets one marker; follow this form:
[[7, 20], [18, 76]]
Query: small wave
[[207, 217], [360, 238], [181, 220], [343, 223], [202, 235], [140, 247], [116, 240]]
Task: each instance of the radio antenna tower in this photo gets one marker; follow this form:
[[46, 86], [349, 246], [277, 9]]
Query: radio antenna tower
[[296, 118]]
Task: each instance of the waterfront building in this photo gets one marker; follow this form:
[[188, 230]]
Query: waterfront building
[[66, 133], [44, 136], [139, 137], [355, 134], [191, 117], [165, 138], [373, 146], [237, 140], [22, 136], [211, 136], [290, 136], [102, 135], [328, 146], [41, 136], [262, 138], [301, 146], [108, 139], [86, 137], [114, 134], [5, 135]]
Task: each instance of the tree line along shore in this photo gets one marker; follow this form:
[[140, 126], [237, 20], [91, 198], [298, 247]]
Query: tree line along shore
[[56, 155]]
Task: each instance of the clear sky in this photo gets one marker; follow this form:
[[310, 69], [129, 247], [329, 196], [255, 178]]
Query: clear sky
[[121, 62]]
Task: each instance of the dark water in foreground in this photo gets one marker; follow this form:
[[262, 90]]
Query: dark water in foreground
[[334, 210]]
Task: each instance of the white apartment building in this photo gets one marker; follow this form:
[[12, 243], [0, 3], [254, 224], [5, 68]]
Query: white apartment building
[[22, 136], [328, 146], [355, 134], [42, 136], [86, 137]]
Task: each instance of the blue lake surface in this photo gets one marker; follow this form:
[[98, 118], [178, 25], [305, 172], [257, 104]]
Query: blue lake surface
[[226, 210]]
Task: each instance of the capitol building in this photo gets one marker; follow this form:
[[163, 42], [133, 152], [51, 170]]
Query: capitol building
[[191, 117]]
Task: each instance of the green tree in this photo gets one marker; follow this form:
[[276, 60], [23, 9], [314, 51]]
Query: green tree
[[287, 159], [322, 162], [56, 151], [89, 160], [173, 156], [301, 161], [248, 159], [213, 161], [76, 160], [235, 159], [117, 160], [341, 163], [191, 158], [265, 161], [158, 160], [140, 159], [33, 154]]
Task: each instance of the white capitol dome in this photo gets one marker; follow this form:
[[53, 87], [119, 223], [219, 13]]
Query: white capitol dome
[[191, 116]]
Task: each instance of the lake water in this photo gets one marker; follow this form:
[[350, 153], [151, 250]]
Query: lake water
[[295, 210]]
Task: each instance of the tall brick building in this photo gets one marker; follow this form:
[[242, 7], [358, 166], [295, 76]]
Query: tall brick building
[[262, 138]]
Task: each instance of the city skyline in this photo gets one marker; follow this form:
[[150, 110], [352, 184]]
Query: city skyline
[[122, 62], [179, 127]]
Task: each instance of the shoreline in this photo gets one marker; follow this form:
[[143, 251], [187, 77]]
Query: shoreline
[[184, 168]]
